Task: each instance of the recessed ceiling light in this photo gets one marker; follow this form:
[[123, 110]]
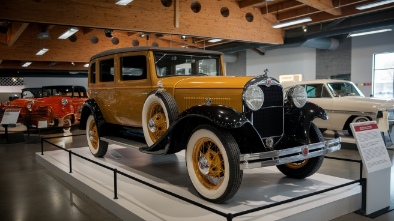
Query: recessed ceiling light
[[369, 32], [68, 33], [374, 4], [215, 40], [123, 2], [42, 51], [26, 64], [86, 65], [293, 22]]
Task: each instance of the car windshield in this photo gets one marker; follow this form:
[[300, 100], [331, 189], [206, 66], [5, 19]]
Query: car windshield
[[342, 89], [63, 91], [173, 64]]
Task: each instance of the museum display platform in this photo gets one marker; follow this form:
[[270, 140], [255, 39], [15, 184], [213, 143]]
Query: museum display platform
[[136, 201]]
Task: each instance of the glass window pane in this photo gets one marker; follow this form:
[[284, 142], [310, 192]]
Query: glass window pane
[[383, 83], [384, 61]]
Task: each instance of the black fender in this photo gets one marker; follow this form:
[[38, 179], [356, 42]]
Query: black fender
[[298, 122], [91, 107], [177, 135]]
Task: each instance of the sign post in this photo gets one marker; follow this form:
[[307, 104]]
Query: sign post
[[377, 163]]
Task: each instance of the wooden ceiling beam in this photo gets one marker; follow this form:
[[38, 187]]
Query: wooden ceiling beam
[[15, 31], [323, 5], [148, 16], [347, 11], [247, 3]]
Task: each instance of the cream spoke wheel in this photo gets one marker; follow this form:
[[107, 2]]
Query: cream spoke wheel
[[96, 146], [213, 163]]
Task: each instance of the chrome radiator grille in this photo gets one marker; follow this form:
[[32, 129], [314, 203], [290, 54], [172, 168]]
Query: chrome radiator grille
[[268, 121]]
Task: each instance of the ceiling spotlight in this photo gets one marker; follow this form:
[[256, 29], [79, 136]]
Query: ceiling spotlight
[[72, 63], [142, 35], [184, 37], [304, 28], [86, 65], [108, 33]]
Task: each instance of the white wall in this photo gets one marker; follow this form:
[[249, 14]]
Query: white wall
[[363, 48], [300, 60]]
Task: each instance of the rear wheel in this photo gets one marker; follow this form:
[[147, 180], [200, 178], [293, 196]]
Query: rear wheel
[[304, 168], [213, 164], [96, 146]]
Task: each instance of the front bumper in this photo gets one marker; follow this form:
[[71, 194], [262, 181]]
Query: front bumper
[[278, 157]]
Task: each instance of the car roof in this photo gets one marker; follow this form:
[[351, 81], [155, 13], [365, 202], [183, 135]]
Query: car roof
[[132, 49]]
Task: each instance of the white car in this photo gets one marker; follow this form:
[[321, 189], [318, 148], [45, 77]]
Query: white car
[[345, 104]]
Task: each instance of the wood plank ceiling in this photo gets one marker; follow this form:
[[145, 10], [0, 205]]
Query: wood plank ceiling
[[26, 26]]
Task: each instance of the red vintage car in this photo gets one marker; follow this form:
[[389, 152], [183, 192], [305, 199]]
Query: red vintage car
[[58, 107]]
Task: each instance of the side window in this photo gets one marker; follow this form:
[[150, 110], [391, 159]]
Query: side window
[[107, 70], [311, 91], [93, 73], [316, 91], [133, 68]]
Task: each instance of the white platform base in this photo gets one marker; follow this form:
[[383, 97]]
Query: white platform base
[[135, 201]]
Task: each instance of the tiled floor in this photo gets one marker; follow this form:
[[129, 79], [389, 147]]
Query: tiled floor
[[30, 192]]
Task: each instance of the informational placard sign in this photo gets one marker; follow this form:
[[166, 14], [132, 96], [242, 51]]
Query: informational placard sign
[[371, 146], [42, 124], [10, 116], [377, 163]]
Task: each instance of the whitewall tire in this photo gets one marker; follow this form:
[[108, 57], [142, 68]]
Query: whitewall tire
[[212, 158], [96, 146]]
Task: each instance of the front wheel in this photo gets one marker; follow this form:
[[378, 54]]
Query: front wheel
[[356, 120], [67, 126], [304, 168], [213, 164], [96, 146]]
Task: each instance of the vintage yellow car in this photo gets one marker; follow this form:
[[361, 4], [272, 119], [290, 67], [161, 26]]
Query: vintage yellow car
[[181, 99]]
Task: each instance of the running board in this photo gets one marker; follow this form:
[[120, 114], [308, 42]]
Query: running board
[[123, 142]]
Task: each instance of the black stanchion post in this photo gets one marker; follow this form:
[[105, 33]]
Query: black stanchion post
[[361, 171], [363, 195], [42, 146], [69, 159], [115, 184]]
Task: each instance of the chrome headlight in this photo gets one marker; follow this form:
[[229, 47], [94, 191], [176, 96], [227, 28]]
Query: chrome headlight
[[253, 97], [297, 96], [29, 105], [64, 101]]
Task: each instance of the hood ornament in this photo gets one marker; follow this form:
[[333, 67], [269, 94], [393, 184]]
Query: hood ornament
[[208, 101]]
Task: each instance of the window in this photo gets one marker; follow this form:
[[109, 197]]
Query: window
[[107, 70], [342, 89], [93, 73], [186, 64], [383, 75], [316, 91], [133, 68]]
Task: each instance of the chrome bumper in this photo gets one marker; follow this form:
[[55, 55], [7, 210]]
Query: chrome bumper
[[277, 157]]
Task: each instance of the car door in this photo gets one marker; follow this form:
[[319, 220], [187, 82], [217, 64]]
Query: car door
[[133, 87], [104, 89], [318, 94]]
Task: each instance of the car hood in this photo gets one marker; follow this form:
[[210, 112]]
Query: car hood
[[206, 82], [21, 102], [379, 103]]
